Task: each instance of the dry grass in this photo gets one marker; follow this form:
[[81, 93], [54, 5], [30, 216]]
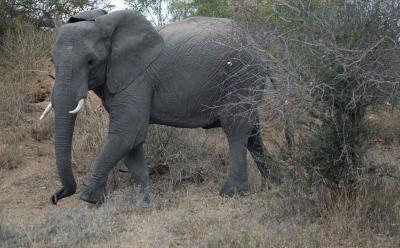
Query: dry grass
[[185, 155], [196, 217], [11, 147], [24, 50], [42, 130], [384, 125]]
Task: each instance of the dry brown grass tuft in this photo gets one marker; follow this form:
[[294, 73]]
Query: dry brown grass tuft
[[42, 130], [371, 206], [11, 148], [10, 156], [384, 125]]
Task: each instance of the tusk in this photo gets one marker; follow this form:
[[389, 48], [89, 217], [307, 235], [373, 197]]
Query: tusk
[[79, 107], [46, 111]]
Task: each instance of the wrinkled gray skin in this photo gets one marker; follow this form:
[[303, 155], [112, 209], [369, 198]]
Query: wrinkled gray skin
[[181, 76]]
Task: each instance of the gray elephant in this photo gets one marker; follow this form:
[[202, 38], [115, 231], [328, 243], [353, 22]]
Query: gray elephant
[[200, 72]]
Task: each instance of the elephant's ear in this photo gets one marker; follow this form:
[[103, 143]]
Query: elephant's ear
[[134, 45], [90, 15]]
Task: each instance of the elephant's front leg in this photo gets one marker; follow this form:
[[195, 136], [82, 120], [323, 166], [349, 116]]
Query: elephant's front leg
[[129, 119], [139, 172], [115, 148]]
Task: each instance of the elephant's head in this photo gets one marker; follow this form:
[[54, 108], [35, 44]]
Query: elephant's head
[[92, 49]]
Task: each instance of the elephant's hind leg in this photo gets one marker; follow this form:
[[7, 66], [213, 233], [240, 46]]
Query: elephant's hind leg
[[139, 172], [237, 133], [261, 156]]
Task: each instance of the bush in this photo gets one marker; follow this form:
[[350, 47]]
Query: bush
[[43, 13], [342, 57]]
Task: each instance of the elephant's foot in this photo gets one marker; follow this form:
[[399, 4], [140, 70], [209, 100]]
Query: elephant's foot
[[62, 193], [143, 199], [143, 196], [94, 194], [231, 189]]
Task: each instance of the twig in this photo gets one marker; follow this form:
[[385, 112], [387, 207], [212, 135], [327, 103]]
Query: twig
[[367, 52]]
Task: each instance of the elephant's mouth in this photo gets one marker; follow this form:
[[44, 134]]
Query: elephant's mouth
[[74, 111]]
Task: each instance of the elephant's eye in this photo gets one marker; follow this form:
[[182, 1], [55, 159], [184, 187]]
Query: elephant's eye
[[90, 62]]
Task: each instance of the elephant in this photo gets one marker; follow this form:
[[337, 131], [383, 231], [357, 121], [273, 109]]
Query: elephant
[[200, 72]]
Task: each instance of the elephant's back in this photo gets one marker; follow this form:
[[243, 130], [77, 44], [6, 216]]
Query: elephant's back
[[195, 52], [201, 45], [220, 33]]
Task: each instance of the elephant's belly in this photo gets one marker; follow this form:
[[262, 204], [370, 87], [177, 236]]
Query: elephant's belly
[[180, 108], [204, 119]]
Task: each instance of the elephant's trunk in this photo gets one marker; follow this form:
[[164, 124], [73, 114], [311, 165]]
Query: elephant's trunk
[[63, 131], [66, 106]]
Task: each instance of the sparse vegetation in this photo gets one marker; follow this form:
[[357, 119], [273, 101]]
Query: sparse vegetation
[[348, 67], [10, 150], [43, 130], [188, 156], [43, 13], [24, 51]]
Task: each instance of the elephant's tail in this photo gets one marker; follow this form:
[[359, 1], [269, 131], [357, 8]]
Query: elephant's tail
[[287, 126]]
